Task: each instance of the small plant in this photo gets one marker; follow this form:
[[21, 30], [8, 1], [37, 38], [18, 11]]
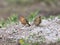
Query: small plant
[[59, 16], [12, 18], [33, 15], [52, 17], [2, 23], [23, 42]]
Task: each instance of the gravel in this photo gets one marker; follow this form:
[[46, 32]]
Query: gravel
[[48, 31]]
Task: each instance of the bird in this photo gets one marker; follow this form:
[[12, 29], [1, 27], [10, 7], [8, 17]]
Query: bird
[[37, 20], [24, 21]]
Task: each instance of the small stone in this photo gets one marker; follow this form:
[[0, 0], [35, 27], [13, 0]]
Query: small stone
[[1, 36]]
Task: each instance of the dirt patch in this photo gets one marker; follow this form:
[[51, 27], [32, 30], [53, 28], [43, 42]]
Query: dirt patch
[[6, 9]]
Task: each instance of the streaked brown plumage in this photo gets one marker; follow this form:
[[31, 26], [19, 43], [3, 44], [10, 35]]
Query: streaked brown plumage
[[37, 20], [24, 21]]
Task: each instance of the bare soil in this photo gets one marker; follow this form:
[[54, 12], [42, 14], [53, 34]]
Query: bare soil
[[7, 9]]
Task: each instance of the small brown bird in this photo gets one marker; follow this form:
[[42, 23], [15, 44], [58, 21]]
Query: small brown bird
[[37, 20], [24, 21]]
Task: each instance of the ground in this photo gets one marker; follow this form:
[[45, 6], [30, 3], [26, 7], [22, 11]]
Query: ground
[[47, 33]]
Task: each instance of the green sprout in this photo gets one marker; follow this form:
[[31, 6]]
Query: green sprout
[[33, 15], [12, 18], [23, 42], [52, 17], [2, 23], [59, 16]]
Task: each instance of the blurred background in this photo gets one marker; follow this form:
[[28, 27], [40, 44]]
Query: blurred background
[[25, 7]]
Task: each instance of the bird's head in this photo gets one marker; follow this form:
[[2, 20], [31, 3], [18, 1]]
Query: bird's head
[[22, 18], [39, 16]]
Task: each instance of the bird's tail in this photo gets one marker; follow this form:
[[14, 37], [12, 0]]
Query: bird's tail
[[29, 24]]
